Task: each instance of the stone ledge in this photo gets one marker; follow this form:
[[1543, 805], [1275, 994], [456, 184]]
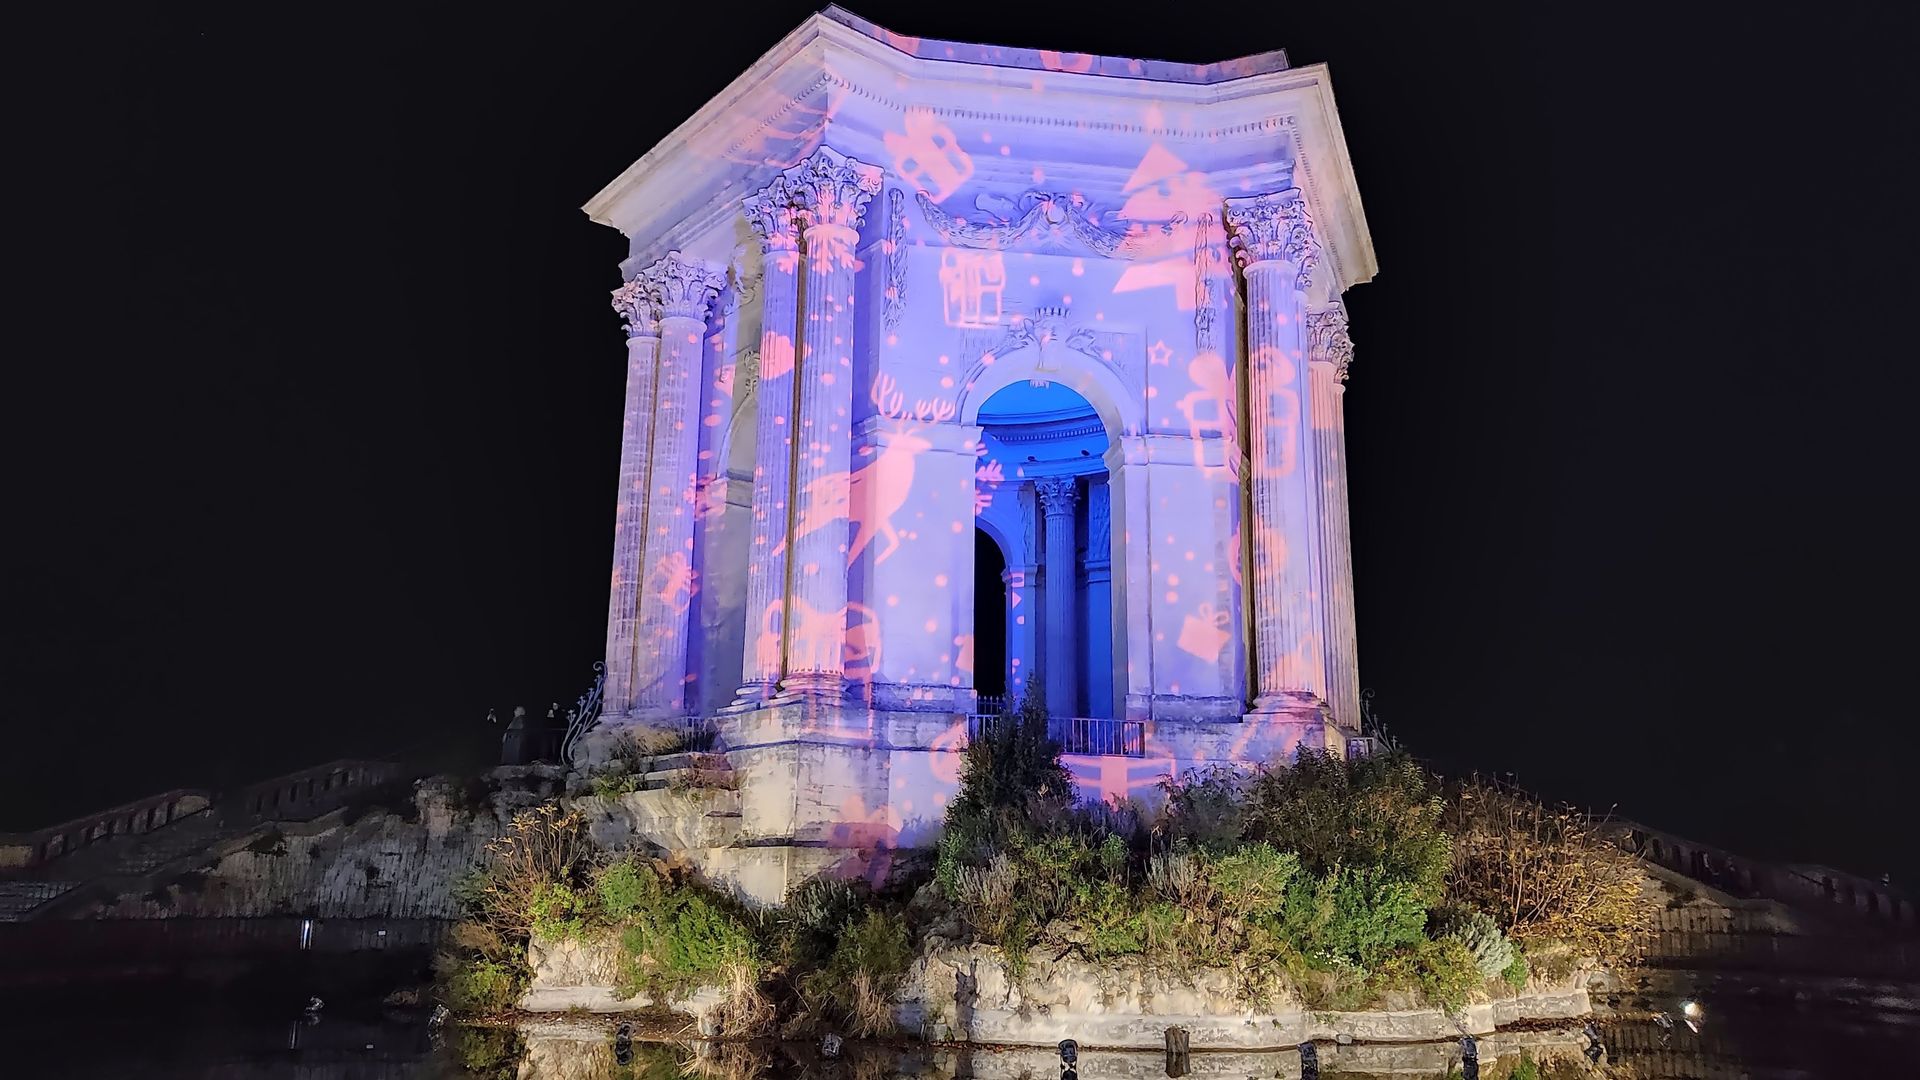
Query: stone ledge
[[1120, 1006]]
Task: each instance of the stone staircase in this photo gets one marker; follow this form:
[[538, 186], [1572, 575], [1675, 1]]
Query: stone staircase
[[120, 862], [20, 898]]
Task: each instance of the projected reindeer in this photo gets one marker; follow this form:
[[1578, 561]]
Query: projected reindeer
[[871, 495]]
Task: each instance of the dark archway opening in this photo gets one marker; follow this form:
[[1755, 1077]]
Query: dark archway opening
[[990, 617]]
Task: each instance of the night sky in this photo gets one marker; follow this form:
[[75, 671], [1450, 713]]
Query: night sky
[[313, 432]]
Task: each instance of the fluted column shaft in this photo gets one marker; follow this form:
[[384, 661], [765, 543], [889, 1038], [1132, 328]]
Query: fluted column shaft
[[771, 213], [686, 289], [1057, 496], [1329, 353], [636, 306], [1273, 242], [832, 192]]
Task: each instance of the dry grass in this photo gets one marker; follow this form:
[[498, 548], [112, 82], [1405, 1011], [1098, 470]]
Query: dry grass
[[1546, 875], [747, 1013], [988, 893], [541, 846], [1181, 880]]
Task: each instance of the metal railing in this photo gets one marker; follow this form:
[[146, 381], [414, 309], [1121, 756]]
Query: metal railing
[[1089, 736]]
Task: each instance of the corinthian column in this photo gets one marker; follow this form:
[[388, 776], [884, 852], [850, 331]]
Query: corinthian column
[[684, 289], [771, 214], [1273, 242], [640, 311], [1057, 495], [1329, 351], [831, 192]]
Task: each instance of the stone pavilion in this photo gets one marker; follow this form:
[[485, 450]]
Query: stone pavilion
[[954, 370]]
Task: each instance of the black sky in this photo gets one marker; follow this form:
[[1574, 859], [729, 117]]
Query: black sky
[[312, 430]]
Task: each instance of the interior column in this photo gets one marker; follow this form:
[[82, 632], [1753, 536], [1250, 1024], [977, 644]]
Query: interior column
[[1057, 496]]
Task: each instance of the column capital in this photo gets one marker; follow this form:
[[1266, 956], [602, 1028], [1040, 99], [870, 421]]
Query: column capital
[[1274, 227], [1057, 494], [683, 287], [638, 307], [830, 188], [772, 213], [1327, 340]]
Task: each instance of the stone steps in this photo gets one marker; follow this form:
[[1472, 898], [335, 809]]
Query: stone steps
[[19, 899]]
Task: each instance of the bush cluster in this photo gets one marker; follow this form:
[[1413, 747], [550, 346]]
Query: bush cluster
[[834, 954], [1341, 880]]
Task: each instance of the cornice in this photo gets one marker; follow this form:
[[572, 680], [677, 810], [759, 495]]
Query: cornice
[[695, 176]]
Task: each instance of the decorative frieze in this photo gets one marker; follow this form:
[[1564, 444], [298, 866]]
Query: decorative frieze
[[1050, 219]]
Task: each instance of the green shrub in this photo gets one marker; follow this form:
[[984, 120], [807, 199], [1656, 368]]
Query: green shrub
[[1446, 973], [556, 912], [615, 783], [1111, 919], [492, 1052], [1207, 809], [1373, 812], [1253, 880], [690, 939], [1010, 776], [626, 888], [484, 986], [863, 974], [1356, 917], [813, 918], [1517, 972], [1492, 952]]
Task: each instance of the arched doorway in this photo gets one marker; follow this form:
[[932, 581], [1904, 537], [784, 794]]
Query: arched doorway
[[1046, 511], [990, 627]]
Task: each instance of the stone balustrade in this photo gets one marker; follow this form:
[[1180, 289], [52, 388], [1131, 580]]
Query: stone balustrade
[[36, 848]]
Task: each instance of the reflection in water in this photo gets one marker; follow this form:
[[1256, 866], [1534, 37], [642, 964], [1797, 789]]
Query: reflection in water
[[167, 1030]]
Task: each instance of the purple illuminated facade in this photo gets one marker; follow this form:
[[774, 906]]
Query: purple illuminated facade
[[953, 369]]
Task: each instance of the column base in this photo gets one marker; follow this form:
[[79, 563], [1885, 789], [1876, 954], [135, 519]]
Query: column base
[[751, 696], [814, 686], [1291, 702]]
